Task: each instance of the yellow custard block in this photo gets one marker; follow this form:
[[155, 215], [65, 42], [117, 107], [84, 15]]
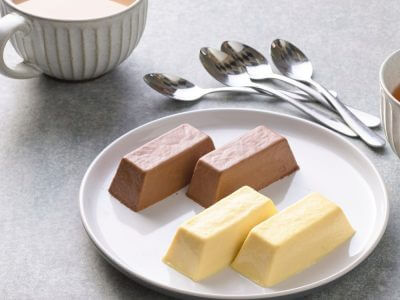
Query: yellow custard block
[[292, 240], [209, 241]]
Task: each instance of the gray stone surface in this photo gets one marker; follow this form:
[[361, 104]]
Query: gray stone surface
[[50, 131]]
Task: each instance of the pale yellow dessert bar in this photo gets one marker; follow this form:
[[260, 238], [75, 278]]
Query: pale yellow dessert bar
[[209, 241], [292, 240]]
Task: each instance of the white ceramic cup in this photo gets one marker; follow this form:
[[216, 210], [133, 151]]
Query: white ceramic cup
[[69, 49], [389, 78]]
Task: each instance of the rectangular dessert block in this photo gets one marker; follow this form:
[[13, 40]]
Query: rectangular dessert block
[[159, 168], [292, 240], [257, 159], [209, 241]]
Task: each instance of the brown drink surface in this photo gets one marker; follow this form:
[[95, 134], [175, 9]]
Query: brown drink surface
[[72, 9], [396, 92]]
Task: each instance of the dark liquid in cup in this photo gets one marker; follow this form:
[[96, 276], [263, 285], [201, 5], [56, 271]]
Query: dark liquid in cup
[[396, 92]]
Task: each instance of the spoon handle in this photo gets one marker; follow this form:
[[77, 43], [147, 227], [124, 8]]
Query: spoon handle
[[297, 95], [301, 86], [312, 112], [237, 89], [366, 118], [366, 134]]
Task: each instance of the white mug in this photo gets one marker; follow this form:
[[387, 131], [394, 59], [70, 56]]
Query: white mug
[[69, 49], [389, 78]]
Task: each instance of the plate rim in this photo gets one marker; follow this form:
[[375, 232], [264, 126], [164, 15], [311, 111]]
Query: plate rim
[[173, 290]]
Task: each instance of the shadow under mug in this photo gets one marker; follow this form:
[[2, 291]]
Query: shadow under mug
[[69, 49]]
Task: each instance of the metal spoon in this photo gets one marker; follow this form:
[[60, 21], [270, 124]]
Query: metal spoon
[[258, 68], [181, 89], [228, 71], [292, 62]]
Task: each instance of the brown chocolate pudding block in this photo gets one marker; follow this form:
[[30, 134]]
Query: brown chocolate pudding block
[[160, 167], [257, 159]]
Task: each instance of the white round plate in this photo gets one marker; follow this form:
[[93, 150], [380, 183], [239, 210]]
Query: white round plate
[[136, 242]]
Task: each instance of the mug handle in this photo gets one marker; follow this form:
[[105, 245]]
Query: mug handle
[[10, 24]]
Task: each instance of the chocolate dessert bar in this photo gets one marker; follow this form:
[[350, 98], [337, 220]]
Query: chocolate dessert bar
[[159, 168], [257, 159]]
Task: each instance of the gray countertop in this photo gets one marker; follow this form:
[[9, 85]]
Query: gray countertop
[[50, 131]]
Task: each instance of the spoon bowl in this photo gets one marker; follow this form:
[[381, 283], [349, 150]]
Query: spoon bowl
[[256, 64], [181, 89], [231, 72], [173, 86], [290, 60], [293, 63], [258, 68], [224, 67]]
